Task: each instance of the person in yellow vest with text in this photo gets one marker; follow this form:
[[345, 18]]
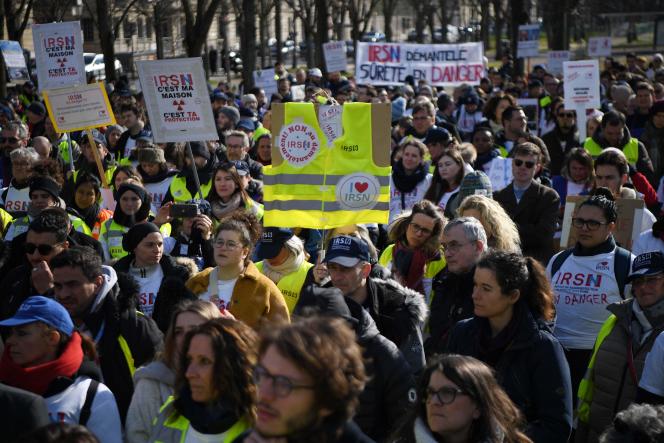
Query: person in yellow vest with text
[[284, 262], [614, 134], [183, 186]]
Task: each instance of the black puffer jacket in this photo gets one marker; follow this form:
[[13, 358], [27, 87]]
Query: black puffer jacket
[[532, 370], [399, 313]]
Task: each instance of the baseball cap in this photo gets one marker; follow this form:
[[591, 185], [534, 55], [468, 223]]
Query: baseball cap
[[649, 263], [46, 310], [246, 124], [437, 135], [97, 136], [218, 95], [272, 240], [347, 251], [241, 166]]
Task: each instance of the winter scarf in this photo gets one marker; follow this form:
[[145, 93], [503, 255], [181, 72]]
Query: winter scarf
[[221, 209], [206, 418], [407, 183], [410, 264]]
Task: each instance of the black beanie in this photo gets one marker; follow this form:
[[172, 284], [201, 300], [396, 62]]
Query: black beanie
[[138, 232], [200, 149], [143, 211], [45, 183]]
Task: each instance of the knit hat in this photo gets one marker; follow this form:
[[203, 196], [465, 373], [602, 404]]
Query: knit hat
[[96, 136], [199, 149], [475, 183], [136, 234], [231, 113], [315, 72], [151, 155], [142, 213], [37, 108], [136, 189], [110, 129], [45, 183]]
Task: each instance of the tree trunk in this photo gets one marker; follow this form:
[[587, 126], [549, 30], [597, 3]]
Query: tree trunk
[[248, 42], [261, 32], [484, 24], [17, 18], [519, 17], [554, 19], [106, 38], [499, 23], [322, 35], [388, 15], [158, 30], [431, 23], [277, 29]]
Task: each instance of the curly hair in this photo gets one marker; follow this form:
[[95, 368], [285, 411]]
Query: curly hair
[[513, 272], [637, 423], [500, 420], [234, 346], [327, 350], [501, 231], [246, 225], [398, 228]]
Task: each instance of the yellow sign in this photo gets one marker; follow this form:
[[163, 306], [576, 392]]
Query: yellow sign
[[79, 107]]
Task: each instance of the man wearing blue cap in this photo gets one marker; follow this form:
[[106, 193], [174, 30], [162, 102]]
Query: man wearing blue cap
[[399, 312]]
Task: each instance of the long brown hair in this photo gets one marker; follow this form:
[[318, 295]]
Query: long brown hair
[[229, 168], [399, 226], [439, 185], [234, 345]]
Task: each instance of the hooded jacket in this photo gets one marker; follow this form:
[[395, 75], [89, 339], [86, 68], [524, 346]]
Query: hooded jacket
[[643, 163], [532, 370], [653, 140], [399, 313], [125, 338], [153, 384]]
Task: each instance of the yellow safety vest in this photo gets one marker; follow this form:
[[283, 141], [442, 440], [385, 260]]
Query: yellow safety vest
[[63, 148], [431, 269], [171, 427], [631, 149], [503, 151], [180, 192], [108, 173], [255, 208], [111, 235], [323, 186], [291, 284], [5, 220]]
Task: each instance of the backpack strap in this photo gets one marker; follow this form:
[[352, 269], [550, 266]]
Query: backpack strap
[[621, 264], [84, 416], [559, 260]]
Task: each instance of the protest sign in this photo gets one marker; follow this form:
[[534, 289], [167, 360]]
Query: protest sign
[[177, 99], [79, 107], [266, 80], [555, 61], [59, 54], [14, 61], [599, 46], [581, 88], [628, 224], [439, 65], [335, 56], [528, 43]]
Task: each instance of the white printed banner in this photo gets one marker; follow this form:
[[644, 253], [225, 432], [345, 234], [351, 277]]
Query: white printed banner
[[59, 54]]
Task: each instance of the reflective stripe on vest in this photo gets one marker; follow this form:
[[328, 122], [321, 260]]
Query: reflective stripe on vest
[[503, 151], [180, 192], [255, 208], [291, 284], [171, 427], [631, 149], [80, 225], [127, 355], [431, 269], [587, 385], [306, 196], [63, 148]]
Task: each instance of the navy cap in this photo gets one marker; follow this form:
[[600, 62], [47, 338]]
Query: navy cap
[[437, 135], [272, 240], [241, 166], [649, 263], [46, 310], [347, 251], [218, 95], [96, 136], [246, 124]]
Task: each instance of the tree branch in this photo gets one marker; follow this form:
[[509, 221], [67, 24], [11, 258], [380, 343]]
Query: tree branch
[[116, 26]]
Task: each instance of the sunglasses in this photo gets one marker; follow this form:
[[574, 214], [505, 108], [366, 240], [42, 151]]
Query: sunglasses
[[519, 163], [10, 140], [566, 115], [30, 248]]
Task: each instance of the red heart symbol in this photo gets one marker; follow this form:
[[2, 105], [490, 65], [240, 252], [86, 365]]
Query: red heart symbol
[[361, 187]]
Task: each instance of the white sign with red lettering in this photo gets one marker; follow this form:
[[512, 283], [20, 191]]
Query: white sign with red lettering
[[335, 56], [599, 46], [178, 101], [298, 144], [439, 65], [59, 54], [555, 61], [581, 84]]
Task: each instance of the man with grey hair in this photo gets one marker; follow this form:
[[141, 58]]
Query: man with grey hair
[[237, 148], [12, 136], [15, 198], [464, 240]]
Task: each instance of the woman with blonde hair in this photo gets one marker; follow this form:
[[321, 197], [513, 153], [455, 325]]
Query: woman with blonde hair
[[155, 382], [501, 232]]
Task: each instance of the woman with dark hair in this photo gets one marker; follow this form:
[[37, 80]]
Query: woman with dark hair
[[445, 183], [123, 173], [45, 355], [263, 153], [577, 175], [493, 110], [87, 198], [415, 256], [228, 193], [459, 400], [155, 382], [513, 307], [410, 177], [235, 284], [215, 395]]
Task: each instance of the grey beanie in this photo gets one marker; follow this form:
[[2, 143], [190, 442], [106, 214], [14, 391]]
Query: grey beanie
[[232, 113], [151, 155]]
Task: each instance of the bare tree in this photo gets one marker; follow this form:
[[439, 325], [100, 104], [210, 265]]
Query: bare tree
[[17, 14], [264, 7], [444, 13], [389, 7], [197, 23], [46, 11], [338, 10], [499, 24], [277, 30], [359, 13], [245, 13], [420, 8], [305, 10]]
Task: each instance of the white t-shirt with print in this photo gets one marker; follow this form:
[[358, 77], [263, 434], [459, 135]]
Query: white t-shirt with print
[[652, 378]]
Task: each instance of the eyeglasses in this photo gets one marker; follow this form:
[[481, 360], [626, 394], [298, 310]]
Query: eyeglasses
[[30, 248], [234, 146], [282, 386], [591, 225], [420, 229], [10, 140], [444, 395], [221, 244], [566, 115], [422, 117], [453, 246], [646, 281], [518, 163]]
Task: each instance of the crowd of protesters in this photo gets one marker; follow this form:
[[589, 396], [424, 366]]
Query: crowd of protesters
[[126, 315]]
